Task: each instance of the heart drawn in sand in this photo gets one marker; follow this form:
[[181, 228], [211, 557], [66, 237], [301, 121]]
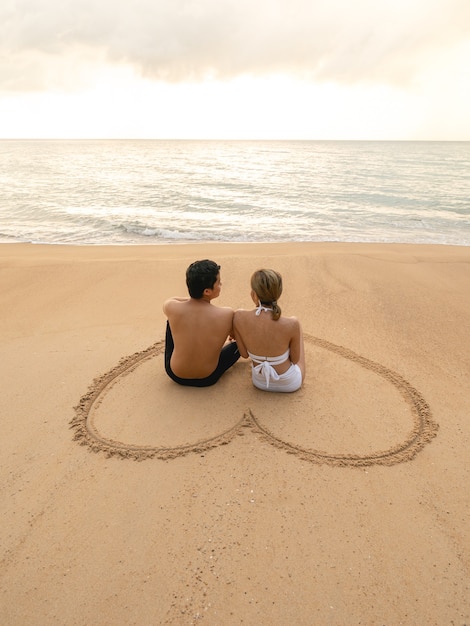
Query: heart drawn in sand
[[375, 378]]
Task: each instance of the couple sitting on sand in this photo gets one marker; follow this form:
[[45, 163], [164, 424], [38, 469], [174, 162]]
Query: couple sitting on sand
[[203, 341]]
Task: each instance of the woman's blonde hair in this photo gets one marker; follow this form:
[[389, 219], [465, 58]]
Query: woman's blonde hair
[[267, 284]]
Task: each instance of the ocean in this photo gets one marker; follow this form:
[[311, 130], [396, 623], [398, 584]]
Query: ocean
[[158, 191]]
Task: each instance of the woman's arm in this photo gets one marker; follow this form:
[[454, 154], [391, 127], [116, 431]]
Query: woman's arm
[[295, 342], [297, 349], [236, 333]]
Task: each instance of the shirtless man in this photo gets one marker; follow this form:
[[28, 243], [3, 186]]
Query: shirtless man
[[198, 344]]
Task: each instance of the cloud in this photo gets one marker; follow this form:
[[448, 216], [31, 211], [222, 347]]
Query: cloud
[[57, 42]]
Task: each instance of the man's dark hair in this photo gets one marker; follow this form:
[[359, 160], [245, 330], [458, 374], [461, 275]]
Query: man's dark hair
[[201, 275]]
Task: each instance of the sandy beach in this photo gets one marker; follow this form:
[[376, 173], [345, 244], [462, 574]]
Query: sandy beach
[[128, 500]]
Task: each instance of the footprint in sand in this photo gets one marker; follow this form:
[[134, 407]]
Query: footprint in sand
[[387, 421]]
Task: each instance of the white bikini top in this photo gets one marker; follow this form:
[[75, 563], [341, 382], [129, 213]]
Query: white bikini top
[[264, 365], [260, 308]]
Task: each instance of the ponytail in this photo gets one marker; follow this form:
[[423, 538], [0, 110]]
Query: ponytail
[[267, 284], [276, 310]]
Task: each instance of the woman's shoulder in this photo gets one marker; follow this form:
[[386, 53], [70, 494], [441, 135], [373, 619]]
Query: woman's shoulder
[[240, 315], [290, 322], [293, 319]]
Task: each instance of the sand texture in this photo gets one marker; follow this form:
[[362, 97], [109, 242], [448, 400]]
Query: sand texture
[[127, 499]]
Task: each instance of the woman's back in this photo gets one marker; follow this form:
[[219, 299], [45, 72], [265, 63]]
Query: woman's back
[[274, 343], [257, 333]]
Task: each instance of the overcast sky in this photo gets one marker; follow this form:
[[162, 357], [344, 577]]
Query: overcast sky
[[313, 69]]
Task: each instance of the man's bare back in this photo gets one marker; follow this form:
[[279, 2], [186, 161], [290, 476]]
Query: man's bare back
[[199, 331]]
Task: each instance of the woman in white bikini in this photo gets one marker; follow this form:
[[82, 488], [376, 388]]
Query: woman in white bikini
[[273, 343]]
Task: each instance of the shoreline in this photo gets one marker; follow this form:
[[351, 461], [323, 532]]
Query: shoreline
[[342, 503], [231, 243]]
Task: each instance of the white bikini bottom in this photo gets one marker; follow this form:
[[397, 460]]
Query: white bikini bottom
[[286, 382]]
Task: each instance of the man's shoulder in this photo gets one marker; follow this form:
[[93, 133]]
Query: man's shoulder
[[223, 311], [177, 307], [172, 303]]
